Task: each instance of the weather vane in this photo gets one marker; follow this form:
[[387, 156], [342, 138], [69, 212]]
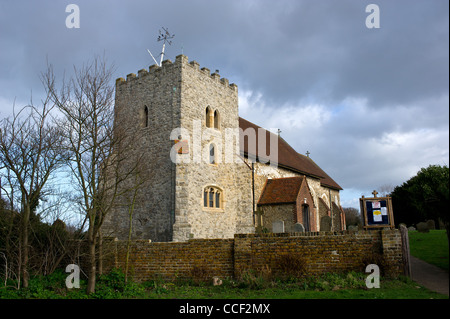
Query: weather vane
[[166, 38]]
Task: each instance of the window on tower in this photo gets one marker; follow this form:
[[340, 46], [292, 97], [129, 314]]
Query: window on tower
[[208, 117], [212, 156], [145, 121], [217, 200], [205, 198], [216, 119], [212, 198]]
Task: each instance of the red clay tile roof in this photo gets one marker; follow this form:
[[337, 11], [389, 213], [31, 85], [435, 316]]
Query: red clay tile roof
[[287, 157], [281, 190]]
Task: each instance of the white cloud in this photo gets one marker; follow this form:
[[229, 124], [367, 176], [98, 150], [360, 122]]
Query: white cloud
[[360, 147], [8, 104], [301, 118], [350, 197]]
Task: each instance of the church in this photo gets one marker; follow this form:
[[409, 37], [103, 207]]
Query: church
[[206, 172]]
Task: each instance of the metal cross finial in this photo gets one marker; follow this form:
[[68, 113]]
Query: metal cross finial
[[374, 193], [278, 131], [307, 153]]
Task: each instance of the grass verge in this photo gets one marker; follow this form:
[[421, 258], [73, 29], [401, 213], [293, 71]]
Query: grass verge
[[431, 247], [328, 286]]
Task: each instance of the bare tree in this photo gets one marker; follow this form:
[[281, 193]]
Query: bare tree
[[9, 241], [30, 151], [352, 216], [386, 189], [96, 154]]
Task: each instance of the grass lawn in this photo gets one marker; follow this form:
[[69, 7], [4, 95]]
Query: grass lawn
[[389, 289], [328, 286], [431, 247]]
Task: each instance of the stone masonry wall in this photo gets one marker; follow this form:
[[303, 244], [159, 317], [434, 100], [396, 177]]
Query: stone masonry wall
[[263, 172], [156, 89], [174, 260], [272, 213], [322, 252], [169, 205], [201, 90]]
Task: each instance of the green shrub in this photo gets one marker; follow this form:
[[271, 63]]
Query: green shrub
[[39, 287], [334, 281], [112, 285], [252, 279]]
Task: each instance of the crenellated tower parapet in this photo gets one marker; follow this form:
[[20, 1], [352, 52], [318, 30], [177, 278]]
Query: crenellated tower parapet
[[168, 65]]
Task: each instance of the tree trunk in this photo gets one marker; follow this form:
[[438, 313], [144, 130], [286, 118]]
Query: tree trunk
[[25, 255], [92, 261], [100, 253]]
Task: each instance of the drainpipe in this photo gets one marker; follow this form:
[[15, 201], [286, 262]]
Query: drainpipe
[[331, 211], [253, 191]]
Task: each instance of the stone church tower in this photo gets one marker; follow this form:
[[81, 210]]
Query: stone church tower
[[190, 191], [203, 170]]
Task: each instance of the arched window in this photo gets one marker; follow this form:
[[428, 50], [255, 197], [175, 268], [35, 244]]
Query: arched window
[[145, 121], [212, 197], [216, 119], [212, 156], [208, 116]]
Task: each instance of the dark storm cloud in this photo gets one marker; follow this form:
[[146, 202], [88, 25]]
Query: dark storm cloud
[[288, 50], [323, 49]]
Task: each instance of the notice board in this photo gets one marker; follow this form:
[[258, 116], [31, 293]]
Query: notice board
[[377, 211]]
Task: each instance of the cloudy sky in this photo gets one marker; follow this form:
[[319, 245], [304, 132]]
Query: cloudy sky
[[371, 105]]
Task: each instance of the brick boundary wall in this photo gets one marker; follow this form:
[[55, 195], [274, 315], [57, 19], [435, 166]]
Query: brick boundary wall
[[319, 252]]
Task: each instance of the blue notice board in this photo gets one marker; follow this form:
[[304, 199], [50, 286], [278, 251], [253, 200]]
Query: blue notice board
[[377, 212]]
